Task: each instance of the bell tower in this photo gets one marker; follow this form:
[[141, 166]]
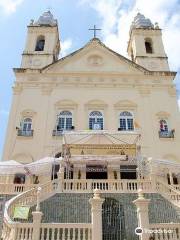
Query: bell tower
[[145, 46], [42, 44]]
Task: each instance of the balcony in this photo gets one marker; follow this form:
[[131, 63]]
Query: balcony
[[57, 133], [25, 133], [166, 134]]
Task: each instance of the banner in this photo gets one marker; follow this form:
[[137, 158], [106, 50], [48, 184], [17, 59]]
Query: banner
[[21, 213], [101, 149]]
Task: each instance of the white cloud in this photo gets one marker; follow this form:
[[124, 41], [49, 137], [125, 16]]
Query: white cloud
[[10, 6], [65, 47]]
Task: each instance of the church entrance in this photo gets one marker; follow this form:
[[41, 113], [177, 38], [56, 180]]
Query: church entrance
[[113, 220], [96, 172]]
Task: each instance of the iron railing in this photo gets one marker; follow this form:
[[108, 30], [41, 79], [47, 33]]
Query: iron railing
[[25, 133], [166, 134]]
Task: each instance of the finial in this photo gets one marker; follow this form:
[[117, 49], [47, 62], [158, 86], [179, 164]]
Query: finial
[[32, 22], [137, 11], [97, 193], [49, 8], [95, 29], [156, 25], [38, 199]]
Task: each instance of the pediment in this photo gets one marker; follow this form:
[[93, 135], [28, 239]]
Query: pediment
[[64, 103], [96, 103], [125, 104], [95, 57], [162, 114]]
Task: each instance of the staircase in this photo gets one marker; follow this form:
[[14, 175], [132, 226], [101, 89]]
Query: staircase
[[168, 192], [67, 209]]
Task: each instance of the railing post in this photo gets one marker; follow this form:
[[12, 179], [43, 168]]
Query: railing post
[[61, 178], [142, 214], [37, 217], [96, 215]]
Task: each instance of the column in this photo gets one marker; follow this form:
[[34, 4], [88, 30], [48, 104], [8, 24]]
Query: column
[[142, 214], [37, 216], [96, 215]]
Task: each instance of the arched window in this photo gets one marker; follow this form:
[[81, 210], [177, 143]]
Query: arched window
[[163, 125], [148, 46], [40, 44], [27, 124], [64, 121], [126, 121], [96, 121]]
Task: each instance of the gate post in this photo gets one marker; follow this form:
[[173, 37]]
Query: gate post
[[37, 217], [96, 215], [142, 214]]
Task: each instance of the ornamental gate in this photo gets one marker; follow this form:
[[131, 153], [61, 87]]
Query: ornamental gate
[[113, 220]]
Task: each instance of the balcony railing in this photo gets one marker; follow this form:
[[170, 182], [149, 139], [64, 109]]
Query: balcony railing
[[166, 134], [57, 132], [26, 133]]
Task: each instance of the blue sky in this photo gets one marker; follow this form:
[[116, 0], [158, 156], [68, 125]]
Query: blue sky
[[75, 17]]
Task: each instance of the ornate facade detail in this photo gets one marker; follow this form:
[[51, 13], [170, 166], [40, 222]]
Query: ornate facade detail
[[28, 113], [125, 104], [65, 104], [95, 60]]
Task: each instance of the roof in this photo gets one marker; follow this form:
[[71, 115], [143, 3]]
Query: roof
[[46, 19], [141, 22], [100, 138]]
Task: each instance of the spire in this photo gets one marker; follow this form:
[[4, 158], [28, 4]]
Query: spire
[[46, 19]]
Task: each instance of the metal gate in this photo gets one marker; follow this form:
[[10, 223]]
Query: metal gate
[[113, 220]]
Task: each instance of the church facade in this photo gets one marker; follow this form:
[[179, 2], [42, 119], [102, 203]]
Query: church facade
[[101, 122], [123, 95]]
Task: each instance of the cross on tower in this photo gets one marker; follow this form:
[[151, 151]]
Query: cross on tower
[[95, 29]]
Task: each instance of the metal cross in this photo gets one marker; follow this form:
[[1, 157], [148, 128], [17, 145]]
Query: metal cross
[[95, 29]]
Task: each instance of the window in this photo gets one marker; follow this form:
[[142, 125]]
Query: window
[[40, 44], [64, 121], [148, 46], [27, 125], [25, 128], [163, 125], [19, 178], [96, 120], [126, 121]]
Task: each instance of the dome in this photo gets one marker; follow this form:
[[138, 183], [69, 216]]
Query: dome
[[141, 22], [46, 19]]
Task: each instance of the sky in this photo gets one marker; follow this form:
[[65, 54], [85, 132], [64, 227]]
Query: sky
[[75, 17]]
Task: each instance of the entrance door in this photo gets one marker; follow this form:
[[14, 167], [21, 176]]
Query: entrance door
[[113, 220], [96, 172]]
